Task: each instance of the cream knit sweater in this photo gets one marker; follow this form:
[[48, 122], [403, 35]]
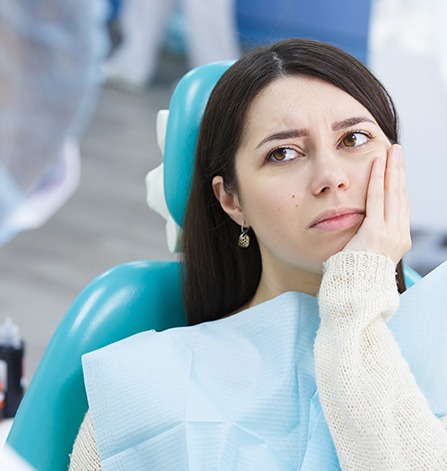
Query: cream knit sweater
[[378, 418]]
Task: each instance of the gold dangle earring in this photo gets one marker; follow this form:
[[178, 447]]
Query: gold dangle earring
[[244, 239]]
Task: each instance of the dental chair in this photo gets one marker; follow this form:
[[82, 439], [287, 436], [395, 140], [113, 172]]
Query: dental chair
[[125, 300]]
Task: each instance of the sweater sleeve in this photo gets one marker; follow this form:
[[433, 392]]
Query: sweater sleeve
[[85, 456], [378, 417]]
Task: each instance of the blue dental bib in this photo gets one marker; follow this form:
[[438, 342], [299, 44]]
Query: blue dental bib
[[239, 394]]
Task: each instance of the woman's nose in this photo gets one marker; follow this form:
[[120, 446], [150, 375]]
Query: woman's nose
[[329, 175]]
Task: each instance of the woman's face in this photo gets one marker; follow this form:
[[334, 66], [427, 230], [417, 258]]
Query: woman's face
[[302, 169]]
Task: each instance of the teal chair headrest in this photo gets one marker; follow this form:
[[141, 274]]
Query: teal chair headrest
[[185, 115]]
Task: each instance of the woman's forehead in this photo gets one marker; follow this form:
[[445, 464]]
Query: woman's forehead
[[300, 101], [303, 95]]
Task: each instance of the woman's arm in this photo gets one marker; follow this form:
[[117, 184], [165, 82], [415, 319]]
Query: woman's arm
[[377, 415], [85, 454]]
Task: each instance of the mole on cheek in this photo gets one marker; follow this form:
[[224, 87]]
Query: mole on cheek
[[293, 196]]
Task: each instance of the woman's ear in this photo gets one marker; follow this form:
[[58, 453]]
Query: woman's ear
[[229, 201]]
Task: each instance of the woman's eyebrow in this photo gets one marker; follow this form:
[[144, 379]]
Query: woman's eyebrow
[[289, 133], [347, 123], [294, 133]]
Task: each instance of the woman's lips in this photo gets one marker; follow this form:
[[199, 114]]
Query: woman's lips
[[338, 221]]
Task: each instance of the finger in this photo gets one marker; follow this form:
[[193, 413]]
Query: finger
[[405, 210], [403, 184], [396, 200], [403, 179], [393, 203], [396, 197], [375, 194]]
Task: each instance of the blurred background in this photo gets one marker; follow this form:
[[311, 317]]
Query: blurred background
[[73, 162]]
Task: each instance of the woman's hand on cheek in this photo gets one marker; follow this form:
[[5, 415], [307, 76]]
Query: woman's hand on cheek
[[386, 227]]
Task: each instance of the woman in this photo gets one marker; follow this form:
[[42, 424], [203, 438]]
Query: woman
[[298, 192]]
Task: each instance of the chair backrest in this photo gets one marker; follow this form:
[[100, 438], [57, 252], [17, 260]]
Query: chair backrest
[[186, 109]]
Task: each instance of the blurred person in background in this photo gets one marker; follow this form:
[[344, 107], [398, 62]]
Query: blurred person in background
[[210, 30], [50, 51]]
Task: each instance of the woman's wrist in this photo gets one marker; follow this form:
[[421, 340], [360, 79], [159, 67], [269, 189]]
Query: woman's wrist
[[358, 283]]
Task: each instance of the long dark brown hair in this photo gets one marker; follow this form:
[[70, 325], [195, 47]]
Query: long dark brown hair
[[218, 276]]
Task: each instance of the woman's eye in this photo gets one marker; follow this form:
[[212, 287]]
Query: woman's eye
[[282, 154], [355, 139]]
